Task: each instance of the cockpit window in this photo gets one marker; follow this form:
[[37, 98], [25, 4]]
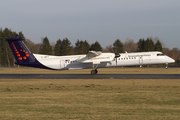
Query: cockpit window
[[160, 54]]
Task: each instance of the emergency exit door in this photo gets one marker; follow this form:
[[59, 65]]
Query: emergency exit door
[[62, 64]]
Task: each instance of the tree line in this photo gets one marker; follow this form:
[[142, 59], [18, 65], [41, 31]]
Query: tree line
[[6, 56], [64, 47]]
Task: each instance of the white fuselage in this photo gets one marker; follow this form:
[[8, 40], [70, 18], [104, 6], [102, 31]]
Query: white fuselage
[[103, 60]]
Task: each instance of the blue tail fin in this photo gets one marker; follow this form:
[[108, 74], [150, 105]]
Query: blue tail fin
[[21, 52]]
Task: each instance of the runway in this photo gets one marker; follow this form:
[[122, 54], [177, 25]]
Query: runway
[[88, 76]]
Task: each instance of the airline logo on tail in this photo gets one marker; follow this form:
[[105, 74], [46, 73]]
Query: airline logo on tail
[[20, 51], [22, 54]]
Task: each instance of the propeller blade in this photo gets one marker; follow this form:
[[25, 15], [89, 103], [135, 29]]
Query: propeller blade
[[116, 56], [116, 61]]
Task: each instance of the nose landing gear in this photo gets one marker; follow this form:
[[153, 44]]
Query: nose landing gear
[[166, 66]]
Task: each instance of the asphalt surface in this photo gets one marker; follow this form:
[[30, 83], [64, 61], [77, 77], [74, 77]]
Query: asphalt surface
[[88, 76]]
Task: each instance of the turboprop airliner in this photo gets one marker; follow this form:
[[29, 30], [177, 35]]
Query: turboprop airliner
[[92, 59]]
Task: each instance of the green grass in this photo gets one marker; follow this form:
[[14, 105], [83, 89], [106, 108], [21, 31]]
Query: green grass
[[87, 71], [106, 99]]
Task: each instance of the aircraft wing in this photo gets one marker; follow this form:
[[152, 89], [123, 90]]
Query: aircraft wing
[[96, 57], [92, 54]]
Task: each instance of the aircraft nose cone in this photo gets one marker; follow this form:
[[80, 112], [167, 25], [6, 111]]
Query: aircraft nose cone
[[173, 60], [170, 60]]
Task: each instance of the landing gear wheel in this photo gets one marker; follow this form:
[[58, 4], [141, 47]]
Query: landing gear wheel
[[96, 71], [93, 72]]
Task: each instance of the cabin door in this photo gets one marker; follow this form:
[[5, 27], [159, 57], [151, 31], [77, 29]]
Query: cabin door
[[62, 64], [141, 60]]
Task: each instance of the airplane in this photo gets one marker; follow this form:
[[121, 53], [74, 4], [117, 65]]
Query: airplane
[[92, 59]]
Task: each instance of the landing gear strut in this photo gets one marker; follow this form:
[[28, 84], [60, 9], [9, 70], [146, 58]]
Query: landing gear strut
[[166, 66], [94, 71]]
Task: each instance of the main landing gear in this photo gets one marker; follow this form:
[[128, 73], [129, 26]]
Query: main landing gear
[[94, 71]]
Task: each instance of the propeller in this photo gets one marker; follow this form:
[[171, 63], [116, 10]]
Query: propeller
[[116, 56]]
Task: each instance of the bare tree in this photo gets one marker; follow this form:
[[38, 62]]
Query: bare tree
[[130, 45], [34, 48], [108, 48]]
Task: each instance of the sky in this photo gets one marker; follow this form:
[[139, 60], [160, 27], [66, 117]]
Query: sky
[[93, 20]]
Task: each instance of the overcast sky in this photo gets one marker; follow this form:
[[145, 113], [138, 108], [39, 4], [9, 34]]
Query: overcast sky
[[93, 20]]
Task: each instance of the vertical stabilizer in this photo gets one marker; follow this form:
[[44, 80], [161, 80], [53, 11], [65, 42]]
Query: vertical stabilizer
[[21, 52]]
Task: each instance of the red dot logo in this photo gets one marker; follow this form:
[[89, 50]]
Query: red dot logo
[[20, 58], [24, 57]]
